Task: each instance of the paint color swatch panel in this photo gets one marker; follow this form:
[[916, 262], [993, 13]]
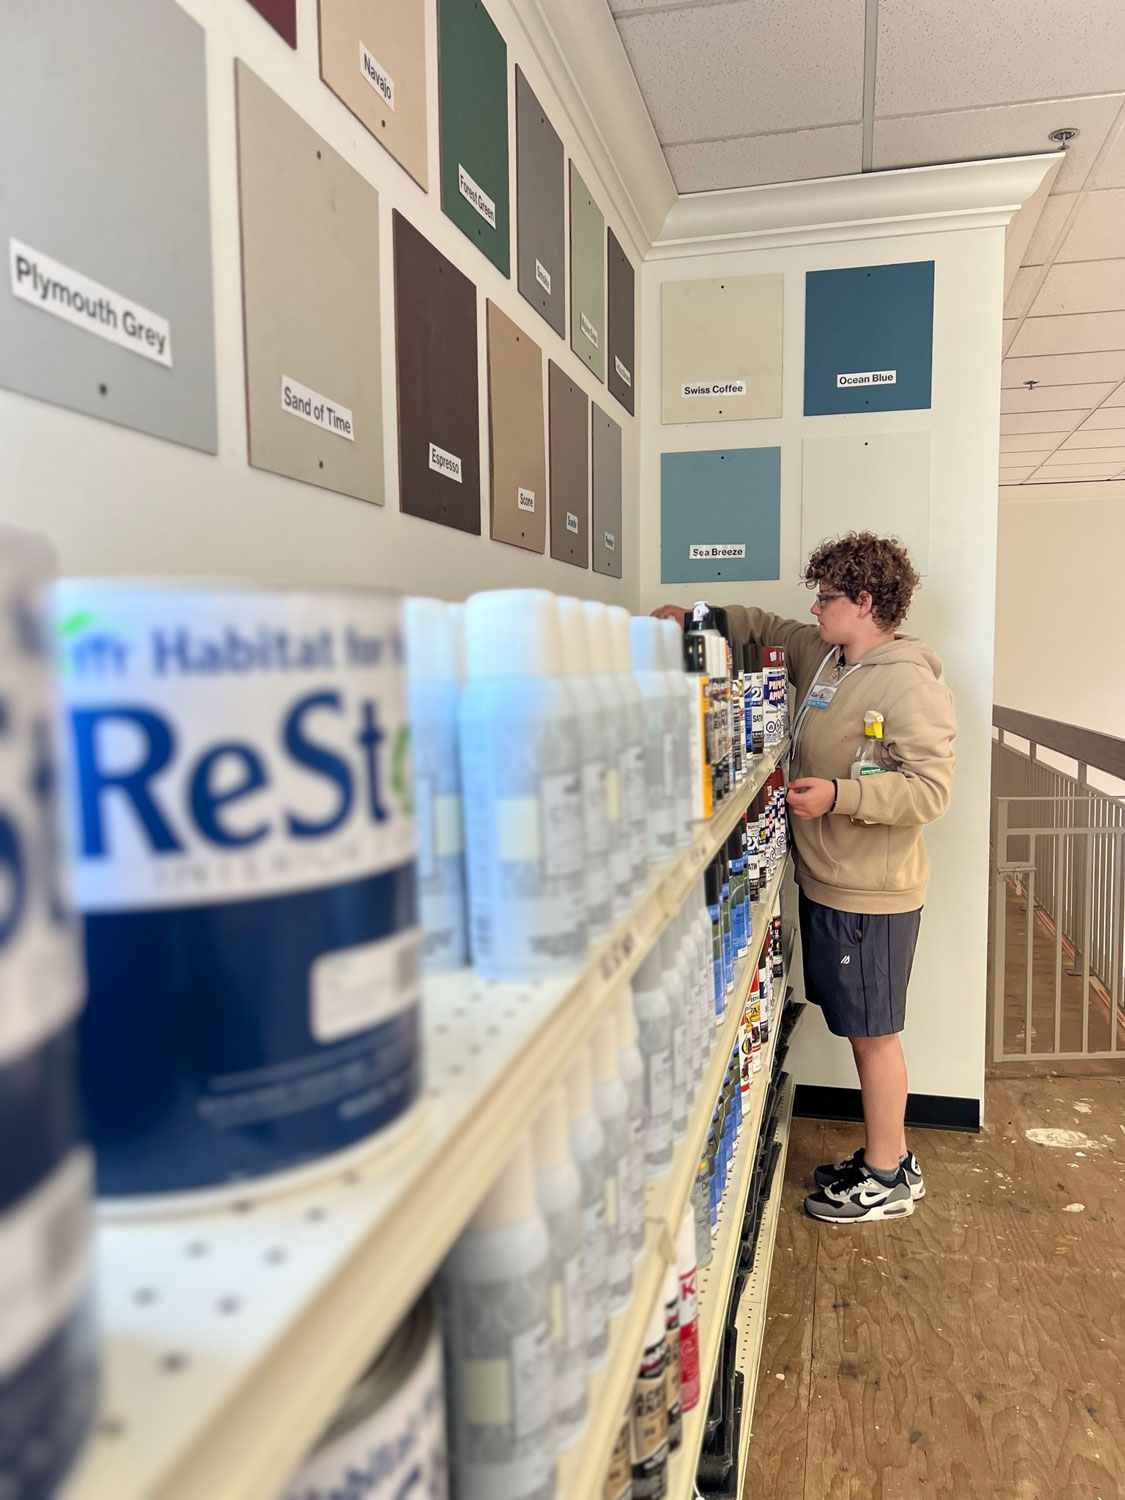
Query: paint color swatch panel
[[473, 87], [373, 58], [570, 468], [517, 442], [313, 373], [587, 276], [605, 466], [438, 399], [105, 214], [540, 209], [869, 333], [721, 349], [281, 15], [720, 515], [621, 357]]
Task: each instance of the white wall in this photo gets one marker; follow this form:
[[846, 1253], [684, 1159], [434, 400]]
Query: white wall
[[954, 611], [1060, 625], [116, 501]]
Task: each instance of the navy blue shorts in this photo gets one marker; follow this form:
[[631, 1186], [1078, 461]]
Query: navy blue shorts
[[857, 967]]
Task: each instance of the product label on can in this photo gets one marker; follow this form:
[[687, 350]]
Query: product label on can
[[243, 837], [619, 1479]]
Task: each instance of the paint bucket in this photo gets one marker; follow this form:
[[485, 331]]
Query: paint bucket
[[243, 848], [48, 1356], [387, 1442]]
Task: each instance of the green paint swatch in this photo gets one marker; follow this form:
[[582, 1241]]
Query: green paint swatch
[[587, 276], [473, 88]]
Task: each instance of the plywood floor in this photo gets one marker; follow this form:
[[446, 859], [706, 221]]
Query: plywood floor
[[975, 1351]]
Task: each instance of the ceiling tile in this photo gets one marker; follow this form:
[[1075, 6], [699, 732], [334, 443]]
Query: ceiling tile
[[1053, 397], [1081, 286], [1106, 416], [1111, 173], [1005, 51], [1072, 333], [1014, 476], [1039, 421], [1014, 442], [1005, 130], [744, 68], [1008, 330], [1085, 458], [1022, 292], [1097, 438], [1116, 398], [1047, 231], [1099, 228], [832, 151], [1064, 369], [1065, 476]]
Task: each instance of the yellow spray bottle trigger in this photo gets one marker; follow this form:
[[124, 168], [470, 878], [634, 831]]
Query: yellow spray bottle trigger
[[873, 724]]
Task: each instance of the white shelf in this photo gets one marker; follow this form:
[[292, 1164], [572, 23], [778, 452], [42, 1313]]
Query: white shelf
[[231, 1337], [752, 1309], [715, 1281], [582, 1468]]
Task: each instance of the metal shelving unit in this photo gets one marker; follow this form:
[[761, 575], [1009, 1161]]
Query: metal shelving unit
[[232, 1336]]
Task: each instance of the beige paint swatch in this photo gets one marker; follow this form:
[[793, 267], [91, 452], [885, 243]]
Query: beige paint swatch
[[720, 349], [517, 441]]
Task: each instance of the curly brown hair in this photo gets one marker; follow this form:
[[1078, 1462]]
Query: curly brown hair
[[862, 562]]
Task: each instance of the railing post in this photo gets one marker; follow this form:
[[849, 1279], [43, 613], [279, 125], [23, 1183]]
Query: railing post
[[999, 932], [1082, 882]]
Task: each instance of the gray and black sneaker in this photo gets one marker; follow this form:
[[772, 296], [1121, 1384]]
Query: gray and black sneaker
[[856, 1198], [826, 1175]]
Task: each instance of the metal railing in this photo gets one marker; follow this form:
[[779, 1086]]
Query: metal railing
[[1057, 895]]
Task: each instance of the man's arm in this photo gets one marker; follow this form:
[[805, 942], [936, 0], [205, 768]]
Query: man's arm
[[921, 729]]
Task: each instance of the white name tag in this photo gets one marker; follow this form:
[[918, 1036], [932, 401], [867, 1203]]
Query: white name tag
[[572, 522], [525, 499], [377, 76], [543, 276], [299, 401], [476, 197], [821, 695], [714, 388], [868, 377], [57, 289], [622, 371], [588, 329], [704, 551], [445, 463], [610, 542]]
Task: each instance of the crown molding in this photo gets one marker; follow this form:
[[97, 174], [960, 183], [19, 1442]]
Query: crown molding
[[580, 49], [913, 200]]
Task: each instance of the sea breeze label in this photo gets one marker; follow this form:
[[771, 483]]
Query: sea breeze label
[[714, 388], [299, 401], [572, 522], [707, 551], [610, 542], [476, 197], [445, 463], [543, 276], [588, 330], [377, 76], [622, 371], [65, 293], [525, 499], [867, 377]]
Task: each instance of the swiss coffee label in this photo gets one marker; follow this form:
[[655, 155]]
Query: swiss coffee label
[[377, 76], [572, 522], [588, 329], [525, 499], [65, 293], [445, 463], [476, 197], [867, 377], [543, 276], [714, 388], [705, 551], [610, 542], [622, 371], [299, 401]]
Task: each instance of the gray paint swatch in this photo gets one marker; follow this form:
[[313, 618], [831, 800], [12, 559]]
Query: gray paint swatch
[[540, 209], [587, 276], [605, 540], [621, 357], [105, 188], [570, 468]]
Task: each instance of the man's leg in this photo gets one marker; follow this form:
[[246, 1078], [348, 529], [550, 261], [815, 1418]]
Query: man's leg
[[882, 1081]]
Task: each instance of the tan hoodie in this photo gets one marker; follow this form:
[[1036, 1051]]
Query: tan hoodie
[[880, 865]]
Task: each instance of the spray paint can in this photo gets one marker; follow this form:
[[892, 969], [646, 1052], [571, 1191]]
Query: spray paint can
[[619, 736], [687, 1275], [672, 1397], [650, 1413], [558, 1192], [595, 750]]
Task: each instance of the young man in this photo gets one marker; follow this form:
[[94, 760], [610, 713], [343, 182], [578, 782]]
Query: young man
[[860, 860]]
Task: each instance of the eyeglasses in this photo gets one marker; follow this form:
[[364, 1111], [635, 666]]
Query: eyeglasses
[[822, 599]]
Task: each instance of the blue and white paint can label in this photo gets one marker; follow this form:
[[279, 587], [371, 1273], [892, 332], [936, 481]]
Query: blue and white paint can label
[[48, 1357], [243, 845]]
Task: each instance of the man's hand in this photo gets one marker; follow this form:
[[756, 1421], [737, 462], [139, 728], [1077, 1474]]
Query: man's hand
[[670, 612], [810, 797]]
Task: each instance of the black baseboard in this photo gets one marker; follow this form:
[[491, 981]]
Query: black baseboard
[[923, 1111]]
